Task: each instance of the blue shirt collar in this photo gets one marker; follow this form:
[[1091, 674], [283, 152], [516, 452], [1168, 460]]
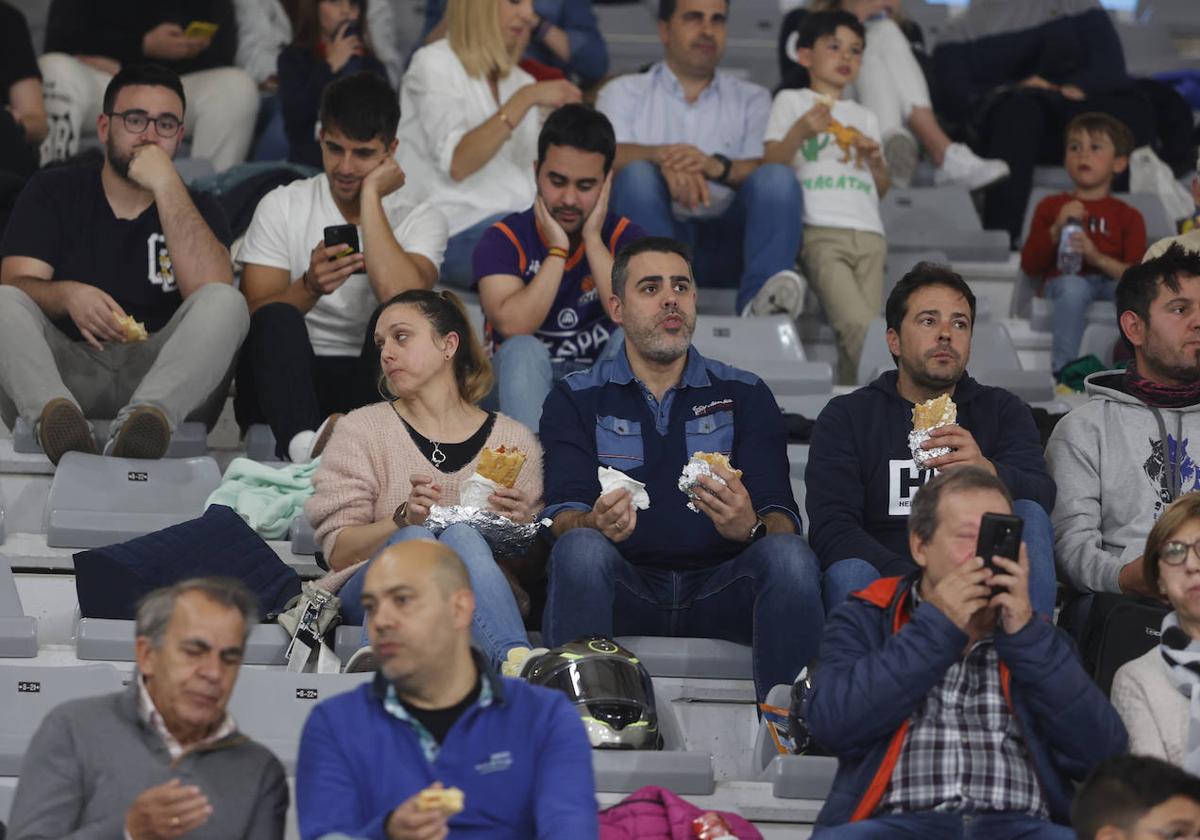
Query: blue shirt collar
[[695, 372], [668, 79]]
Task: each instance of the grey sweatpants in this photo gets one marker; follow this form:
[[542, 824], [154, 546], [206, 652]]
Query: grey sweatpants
[[183, 369]]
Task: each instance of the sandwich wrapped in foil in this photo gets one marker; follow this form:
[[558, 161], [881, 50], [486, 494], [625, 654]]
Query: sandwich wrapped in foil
[[927, 416], [508, 539], [692, 470]]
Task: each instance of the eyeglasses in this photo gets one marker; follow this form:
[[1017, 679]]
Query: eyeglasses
[[1173, 833], [165, 125], [1175, 552]]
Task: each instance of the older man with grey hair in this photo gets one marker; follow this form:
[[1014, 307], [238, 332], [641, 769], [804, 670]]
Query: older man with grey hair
[[162, 759]]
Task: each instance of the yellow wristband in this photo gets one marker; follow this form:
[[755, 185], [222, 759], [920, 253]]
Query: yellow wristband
[[557, 252]]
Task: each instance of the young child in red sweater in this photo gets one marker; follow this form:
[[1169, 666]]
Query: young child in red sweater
[[1113, 237]]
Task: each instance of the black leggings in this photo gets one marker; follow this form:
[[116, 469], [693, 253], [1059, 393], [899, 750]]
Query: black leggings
[[282, 382]]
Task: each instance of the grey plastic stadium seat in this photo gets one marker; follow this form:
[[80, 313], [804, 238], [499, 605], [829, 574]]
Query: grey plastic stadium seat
[[939, 219], [1041, 313], [303, 537], [1154, 213], [189, 441], [1179, 16], [768, 347], [1100, 340], [1149, 49], [28, 693], [698, 658], [624, 771], [2, 531], [272, 706], [260, 443], [347, 640], [113, 640], [875, 356], [96, 501], [780, 696], [899, 264], [18, 632], [801, 776]]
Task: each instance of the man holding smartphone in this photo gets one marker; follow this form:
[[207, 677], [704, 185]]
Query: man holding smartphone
[[310, 354], [948, 701]]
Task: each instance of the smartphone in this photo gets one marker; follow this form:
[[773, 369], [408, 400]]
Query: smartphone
[[201, 29], [999, 535], [350, 30], [345, 235]]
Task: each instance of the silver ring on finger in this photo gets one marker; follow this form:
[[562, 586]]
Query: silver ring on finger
[[175, 822]]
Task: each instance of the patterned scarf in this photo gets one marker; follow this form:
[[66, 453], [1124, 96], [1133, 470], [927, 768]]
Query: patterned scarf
[[1159, 396], [1182, 656]]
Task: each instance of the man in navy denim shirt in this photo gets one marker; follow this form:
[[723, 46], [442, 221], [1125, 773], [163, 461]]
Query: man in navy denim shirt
[[738, 568]]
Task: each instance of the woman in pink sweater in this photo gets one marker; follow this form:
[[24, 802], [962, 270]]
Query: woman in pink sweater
[[388, 463]]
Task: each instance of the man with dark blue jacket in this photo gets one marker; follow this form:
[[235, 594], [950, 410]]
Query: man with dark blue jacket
[[861, 476], [436, 716], [955, 711]]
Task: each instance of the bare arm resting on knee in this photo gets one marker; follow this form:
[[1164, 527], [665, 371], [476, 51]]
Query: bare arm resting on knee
[[92, 309]]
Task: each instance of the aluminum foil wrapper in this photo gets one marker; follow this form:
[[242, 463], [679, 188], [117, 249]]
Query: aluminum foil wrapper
[[475, 491], [611, 480], [692, 470], [921, 456], [508, 539]]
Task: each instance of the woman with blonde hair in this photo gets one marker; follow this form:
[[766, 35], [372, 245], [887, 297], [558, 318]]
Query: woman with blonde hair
[[1158, 694], [469, 122], [388, 464]]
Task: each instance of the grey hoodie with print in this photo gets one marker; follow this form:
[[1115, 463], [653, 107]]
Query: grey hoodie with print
[[1117, 463]]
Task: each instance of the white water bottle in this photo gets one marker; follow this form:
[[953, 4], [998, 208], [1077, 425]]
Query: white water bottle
[[1070, 261]]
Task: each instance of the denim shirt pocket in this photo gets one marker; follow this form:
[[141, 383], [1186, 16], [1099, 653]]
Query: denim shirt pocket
[[619, 443], [710, 433]]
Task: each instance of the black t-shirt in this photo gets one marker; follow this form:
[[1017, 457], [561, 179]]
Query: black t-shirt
[[439, 721], [17, 59], [458, 455], [63, 218]]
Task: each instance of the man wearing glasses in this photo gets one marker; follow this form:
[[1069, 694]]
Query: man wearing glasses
[[90, 251]]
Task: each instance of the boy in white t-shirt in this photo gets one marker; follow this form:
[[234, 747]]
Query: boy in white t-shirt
[[311, 354], [833, 144]]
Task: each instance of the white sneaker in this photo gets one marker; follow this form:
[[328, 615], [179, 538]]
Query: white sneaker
[[964, 167], [901, 153], [514, 662], [782, 294]]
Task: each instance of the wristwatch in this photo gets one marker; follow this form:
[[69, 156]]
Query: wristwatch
[[398, 516], [758, 531], [726, 167]]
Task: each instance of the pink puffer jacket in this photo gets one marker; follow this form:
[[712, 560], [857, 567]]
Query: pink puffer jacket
[[654, 813]]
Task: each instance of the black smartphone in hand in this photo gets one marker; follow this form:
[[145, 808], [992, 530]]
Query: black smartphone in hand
[[999, 535], [345, 235]]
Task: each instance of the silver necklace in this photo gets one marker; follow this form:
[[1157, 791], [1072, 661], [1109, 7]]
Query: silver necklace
[[438, 455]]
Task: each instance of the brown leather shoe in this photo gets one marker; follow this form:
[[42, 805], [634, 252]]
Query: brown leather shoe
[[145, 434], [62, 428]]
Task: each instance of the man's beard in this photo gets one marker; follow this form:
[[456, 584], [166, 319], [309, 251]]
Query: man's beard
[[1179, 371], [922, 378], [655, 347], [119, 163]]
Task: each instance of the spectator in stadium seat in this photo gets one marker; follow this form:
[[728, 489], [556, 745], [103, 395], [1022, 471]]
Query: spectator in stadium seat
[[88, 42], [332, 42], [861, 476], [88, 247], [1153, 692], [735, 566], [1128, 797], [22, 110], [948, 701], [1122, 457], [689, 162], [544, 276], [1114, 235], [437, 716], [389, 463], [163, 758], [833, 147], [565, 35], [892, 86], [1014, 75], [469, 121], [311, 352]]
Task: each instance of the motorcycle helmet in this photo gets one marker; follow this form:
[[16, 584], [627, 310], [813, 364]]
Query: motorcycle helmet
[[609, 688]]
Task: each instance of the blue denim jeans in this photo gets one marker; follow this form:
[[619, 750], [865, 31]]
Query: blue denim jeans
[[525, 373], [458, 272], [758, 235], [1072, 295], [496, 626], [853, 574], [938, 826], [769, 596]]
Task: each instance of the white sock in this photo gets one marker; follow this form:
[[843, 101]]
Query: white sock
[[301, 446]]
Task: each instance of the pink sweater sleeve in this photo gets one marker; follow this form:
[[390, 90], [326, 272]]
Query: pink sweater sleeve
[[510, 433], [346, 484]]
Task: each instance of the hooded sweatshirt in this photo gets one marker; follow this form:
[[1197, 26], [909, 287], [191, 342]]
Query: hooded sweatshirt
[[861, 477], [1118, 463]]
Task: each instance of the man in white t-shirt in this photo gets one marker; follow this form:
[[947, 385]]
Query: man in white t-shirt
[[833, 145], [310, 354]]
